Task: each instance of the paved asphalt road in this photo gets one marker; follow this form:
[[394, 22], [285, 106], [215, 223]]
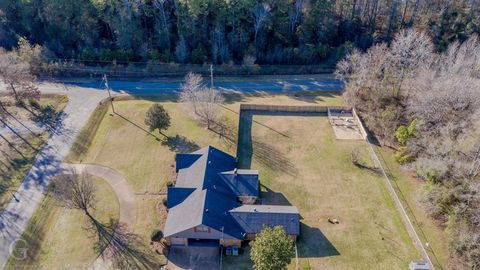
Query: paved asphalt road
[[84, 95], [324, 82]]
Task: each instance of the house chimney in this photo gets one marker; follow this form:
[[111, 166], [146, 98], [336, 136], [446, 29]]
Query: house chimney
[[206, 210], [235, 171]]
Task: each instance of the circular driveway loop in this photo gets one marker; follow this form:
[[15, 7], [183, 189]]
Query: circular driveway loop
[[125, 196], [126, 199]]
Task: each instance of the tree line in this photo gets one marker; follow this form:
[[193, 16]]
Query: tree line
[[226, 31], [426, 105]]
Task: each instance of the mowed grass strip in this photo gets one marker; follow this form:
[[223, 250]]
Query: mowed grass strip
[[411, 191], [84, 139], [56, 237]]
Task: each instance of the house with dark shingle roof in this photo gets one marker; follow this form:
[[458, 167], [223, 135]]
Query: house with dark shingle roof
[[213, 203]]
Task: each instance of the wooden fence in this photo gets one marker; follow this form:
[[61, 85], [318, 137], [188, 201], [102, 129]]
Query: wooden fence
[[287, 108], [363, 131]]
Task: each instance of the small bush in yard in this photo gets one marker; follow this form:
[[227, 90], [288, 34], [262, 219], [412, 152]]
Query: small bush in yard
[[164, 201], [156, 236]]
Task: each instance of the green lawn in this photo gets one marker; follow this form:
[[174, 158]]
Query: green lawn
[[300, 162], [313, 171], [56, 237], [410, 191]]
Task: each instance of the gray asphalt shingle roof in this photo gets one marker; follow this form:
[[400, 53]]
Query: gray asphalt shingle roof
[[206, 193], [253, 218], [241, 182]]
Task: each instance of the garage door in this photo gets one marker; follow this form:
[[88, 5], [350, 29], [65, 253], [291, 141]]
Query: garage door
[[204, 242]]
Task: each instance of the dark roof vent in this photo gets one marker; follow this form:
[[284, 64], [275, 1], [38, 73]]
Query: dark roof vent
[[254, 209]]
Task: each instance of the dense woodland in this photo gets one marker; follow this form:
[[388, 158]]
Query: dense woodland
[[227, 31]]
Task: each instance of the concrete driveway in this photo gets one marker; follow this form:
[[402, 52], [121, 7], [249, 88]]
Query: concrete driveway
[[16, 214], [194, 257]]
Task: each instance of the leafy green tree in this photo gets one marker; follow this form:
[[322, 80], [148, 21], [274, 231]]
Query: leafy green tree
[[403, 133], [272, 249], [157, 118]]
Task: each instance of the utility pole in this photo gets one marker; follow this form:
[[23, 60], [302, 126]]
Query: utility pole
[[211, 75], [105, 81]]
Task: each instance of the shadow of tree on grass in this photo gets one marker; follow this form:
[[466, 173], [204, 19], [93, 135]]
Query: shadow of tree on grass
[[123, 249], [225, 131], [180, 144], [312, 243], [270, 156]]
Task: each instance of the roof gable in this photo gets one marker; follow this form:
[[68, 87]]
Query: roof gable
[[253, 218], [187, 214], [176, 195], [202, 173], [216, 214], [241, 182], [183, 161]]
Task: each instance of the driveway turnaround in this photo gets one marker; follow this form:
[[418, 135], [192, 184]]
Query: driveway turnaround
[[16, 214], [125, 196]]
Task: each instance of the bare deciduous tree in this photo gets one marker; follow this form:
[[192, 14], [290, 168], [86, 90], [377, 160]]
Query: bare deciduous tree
[[440, 91], [193, 84], [208, 100], [409, 51], [260, 14], [295, 15], [17, 77], [203, 100], [75, 191], [160, 5]]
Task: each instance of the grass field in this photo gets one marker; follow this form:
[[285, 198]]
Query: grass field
[[410, 191], [18, 151], [56, 237], [316, 175], [310, 170]]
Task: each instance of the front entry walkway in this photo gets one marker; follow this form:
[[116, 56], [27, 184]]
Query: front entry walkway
[[193, 257]]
